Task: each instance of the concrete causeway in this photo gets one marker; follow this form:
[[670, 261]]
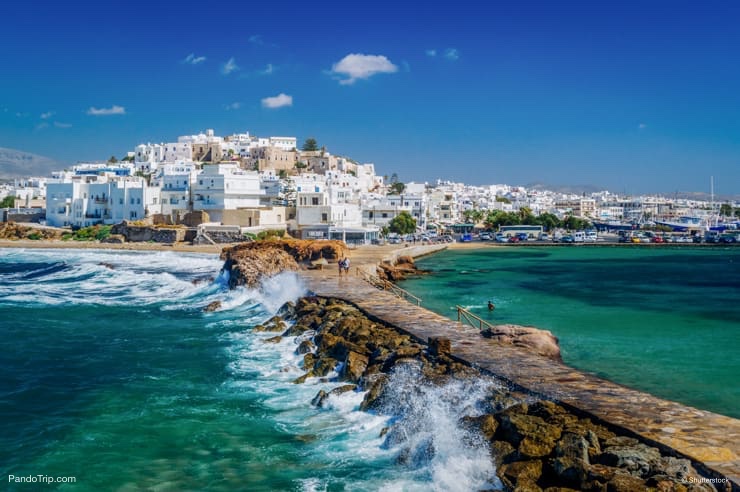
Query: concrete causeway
[[704, 437]]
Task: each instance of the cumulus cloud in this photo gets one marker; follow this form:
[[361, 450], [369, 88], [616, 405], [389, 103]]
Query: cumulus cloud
[[357, 66], [47, 115], [59, 124], [229, 66], [279, 101], [234, 105], [452, 54], [93, 111], [431, 53], [191, 59]]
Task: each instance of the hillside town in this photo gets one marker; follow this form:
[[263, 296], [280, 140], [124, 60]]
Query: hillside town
[[241, 184]]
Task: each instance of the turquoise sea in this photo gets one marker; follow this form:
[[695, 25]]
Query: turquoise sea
[[113, 374], [663, 320]]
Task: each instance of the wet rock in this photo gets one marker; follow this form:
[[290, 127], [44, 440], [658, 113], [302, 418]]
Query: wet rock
[[625, 483], [638, 459], [355, 366], [288, 311], [274, 324], [484, 424], [373, 398], [319, 398], [521, 474], [572, 461], [212, 306], [305, 347], [440, 346], [276, 339], [502, 452]]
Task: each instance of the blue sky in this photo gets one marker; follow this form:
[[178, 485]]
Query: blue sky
[[633, 96]]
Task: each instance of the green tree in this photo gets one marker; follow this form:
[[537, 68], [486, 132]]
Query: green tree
[[8, 202], [310, 145], [112, 159], [300, 165], [397, 188], [737, 213], [402, 223], [725, 210], [502, 199], [473, 216], [547, 220]]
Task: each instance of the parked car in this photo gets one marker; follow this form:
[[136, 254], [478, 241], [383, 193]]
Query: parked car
[[567, 239], [728, 238], [485, 236], [522, 236], [696, 239], [500, 238], [513, 239], [544, 236]]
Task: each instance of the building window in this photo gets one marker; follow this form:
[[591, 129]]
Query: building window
[[314, 200], [324, 218]]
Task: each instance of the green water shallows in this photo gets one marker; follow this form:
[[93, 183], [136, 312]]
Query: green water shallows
[[662, 320]]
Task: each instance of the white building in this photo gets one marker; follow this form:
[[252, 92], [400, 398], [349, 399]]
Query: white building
[[222, 187], [98, 199]]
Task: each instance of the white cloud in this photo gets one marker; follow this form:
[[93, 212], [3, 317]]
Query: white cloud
[[256, 39], [93, 111], [279, 101], [234, 105], [642, 126], [62, 125], [191, 59], [47, 115], [452, 54], [358, 66], [229, 66], [431, 53], [42, 125], [21, 115]]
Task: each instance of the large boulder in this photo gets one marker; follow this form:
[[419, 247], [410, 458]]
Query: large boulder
[[540, 342]]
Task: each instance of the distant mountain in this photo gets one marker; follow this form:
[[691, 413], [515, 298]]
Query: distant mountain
[[19, 164]]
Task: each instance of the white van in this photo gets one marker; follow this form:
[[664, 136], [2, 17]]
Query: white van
[[591, 236], [579, 237]]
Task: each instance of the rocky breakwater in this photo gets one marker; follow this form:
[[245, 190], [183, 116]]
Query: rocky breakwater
[[535, 444], [248, 263]]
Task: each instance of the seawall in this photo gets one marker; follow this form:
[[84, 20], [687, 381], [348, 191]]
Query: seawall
[[709, 440]]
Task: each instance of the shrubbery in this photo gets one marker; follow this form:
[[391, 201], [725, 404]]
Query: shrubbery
[[92, 233]]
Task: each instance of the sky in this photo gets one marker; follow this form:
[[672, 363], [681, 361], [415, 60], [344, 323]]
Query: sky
[[630, 96]]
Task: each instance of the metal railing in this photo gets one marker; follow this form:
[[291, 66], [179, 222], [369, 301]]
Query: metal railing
[[383, 284], [465, 316]]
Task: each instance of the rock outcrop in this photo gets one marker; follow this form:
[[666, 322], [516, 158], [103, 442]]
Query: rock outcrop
[[535, 444], [540, 342], [402, 268], [248, 263]]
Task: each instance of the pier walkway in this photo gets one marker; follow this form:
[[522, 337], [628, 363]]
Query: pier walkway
[[702, 436]]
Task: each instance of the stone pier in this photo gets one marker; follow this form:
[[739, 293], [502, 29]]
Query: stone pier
[[710, 440]]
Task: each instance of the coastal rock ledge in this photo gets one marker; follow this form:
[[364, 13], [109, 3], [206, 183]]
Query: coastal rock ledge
[[535, 444], [248, 263]]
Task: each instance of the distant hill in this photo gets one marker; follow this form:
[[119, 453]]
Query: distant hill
[[19, 164]]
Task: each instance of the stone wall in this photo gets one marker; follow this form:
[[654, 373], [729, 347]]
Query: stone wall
[[145, 233]]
